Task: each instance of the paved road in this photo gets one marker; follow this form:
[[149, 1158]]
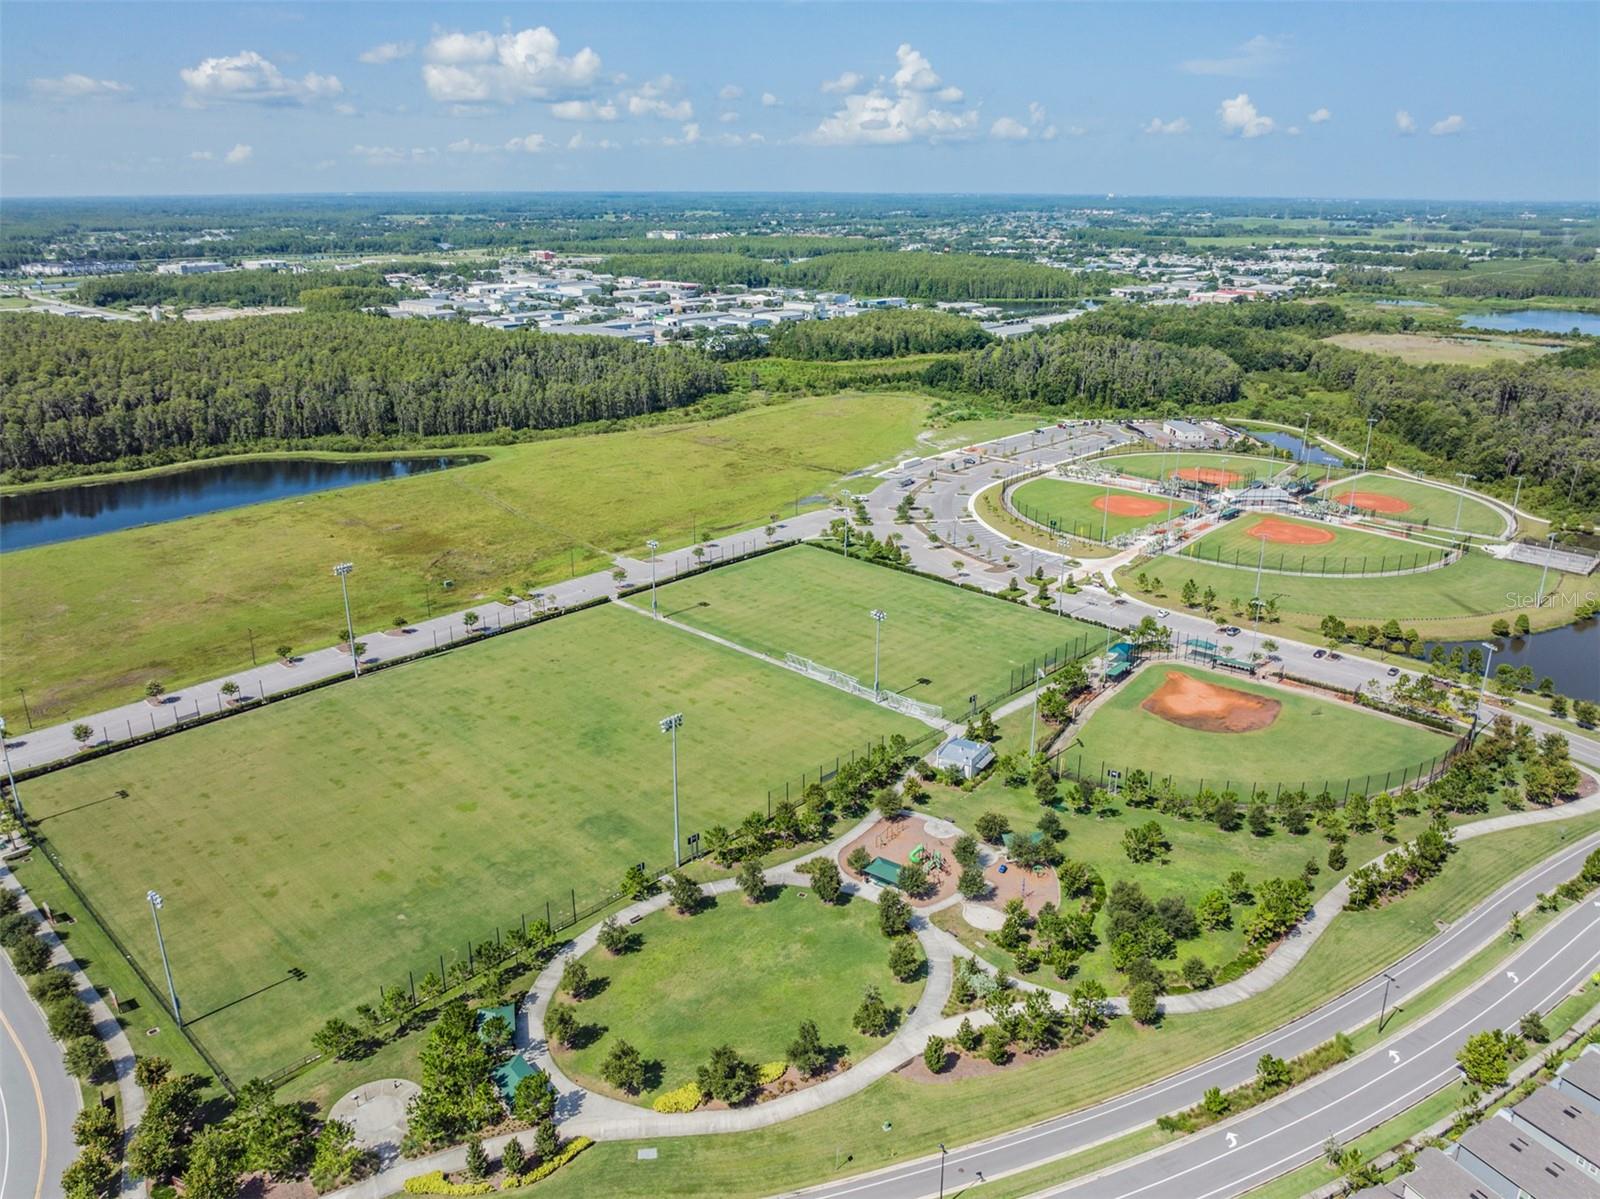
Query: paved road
[[1062, 1135], [38, 1099]]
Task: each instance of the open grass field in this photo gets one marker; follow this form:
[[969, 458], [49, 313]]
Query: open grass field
[[364, 830], [1415, 503], [1298, 546], [1097, 513], [1425, 349], [737, 974], [847, 1138], [1305, 740], [88, 622], [939, 643], [1459, 600], [986, 503]]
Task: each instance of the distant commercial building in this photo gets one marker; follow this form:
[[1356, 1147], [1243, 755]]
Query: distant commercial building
[[191, 268], [1183, 432]]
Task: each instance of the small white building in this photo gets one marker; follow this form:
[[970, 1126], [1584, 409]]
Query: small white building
[[971, 758], [1184, 432], [191, 268]]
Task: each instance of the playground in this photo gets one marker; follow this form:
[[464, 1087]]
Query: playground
[[909, 838], [1091, 510]]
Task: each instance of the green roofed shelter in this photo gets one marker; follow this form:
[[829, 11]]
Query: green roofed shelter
[[1118, 669], [1124, 649], [506, 1012], [883, 872], [509, 1073]]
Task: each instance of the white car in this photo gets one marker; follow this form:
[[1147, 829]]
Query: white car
[[1163, 613]]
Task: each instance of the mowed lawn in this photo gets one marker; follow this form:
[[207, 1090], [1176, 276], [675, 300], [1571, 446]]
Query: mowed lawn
[[89, 622], [1426, 505], [368, 828], [1071, 508], [1456, 600], [940, 644], [1156, 465], [1312, 741], [737, 974], [1347, 550]]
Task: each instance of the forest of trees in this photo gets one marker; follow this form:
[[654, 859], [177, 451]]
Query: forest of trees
[[79, 392], [1568, 279], [916, 275], [883, 333], [245, 289]]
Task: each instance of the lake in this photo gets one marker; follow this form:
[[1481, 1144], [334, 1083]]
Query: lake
[[1570, 655], [34, 518], [1545, 320], [1292, 443]]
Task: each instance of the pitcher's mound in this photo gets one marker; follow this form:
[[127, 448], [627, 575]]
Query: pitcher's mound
[[1129, 505], [1209, 707], [1286, 532]]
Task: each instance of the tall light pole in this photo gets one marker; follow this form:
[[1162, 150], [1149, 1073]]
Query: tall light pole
[[942, 1152], [671, 724], [1463, 478], [1383, 1005], [343, 571], [1305, 446], [1367, 453], [878, 617], [11, 781], [1105, 514], [1484, 682], [155, 914], [1549, 548], [1516, 500], [654, 546], [1261, 561]]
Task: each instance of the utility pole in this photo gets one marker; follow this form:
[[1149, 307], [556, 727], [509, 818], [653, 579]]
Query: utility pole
[[155, 914], [1383, 1006], [941, 1171], [5, 751], [1305, 446], [671, 724], [1517, 499], [343, 571], [878, 617], [1549, 548], [1105, 515], [1261, 560], [1463, 478], [1483, 684], [654, 546], [1367, 453]]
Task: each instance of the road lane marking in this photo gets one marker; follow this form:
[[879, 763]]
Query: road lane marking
[[38, 1099]]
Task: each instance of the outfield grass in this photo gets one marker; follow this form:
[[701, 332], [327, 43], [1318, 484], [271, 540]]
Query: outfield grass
[[849, 1137], [1312, 741], [939, 643], [737, 974], [1070, 507], [365, 829], [1352, 551], [987, 504], [1153, 464], [1426, 349], [1431, 506], [89, 622], [1455, 601]]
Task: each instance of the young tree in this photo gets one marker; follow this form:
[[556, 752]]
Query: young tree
[[872, 1018], [1213, 910], [561, 1023], [212, 1171], [1483, 1059], [685, 892], [752, 881], [913, 879], [637, 883], [1197, 974], [513, 1158], [992, 827], [971, 883], [726, 1076], [1532, 1028], [285, 654], [860, 858], [534, 1100], [933, 1054], [894, 914], [624, 1068], [81, 733], [87, 1059], [615, 939], [271, 1135], [477, 1160], [154, 690], [337, 1159], [575, 979], [806, 1052], [338, 1038], [825, 880], [1272, 1073], [904, 959], [1142, 1005], [470, 619]]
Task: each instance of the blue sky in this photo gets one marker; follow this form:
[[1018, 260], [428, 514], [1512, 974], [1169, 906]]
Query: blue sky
[[1449, 101]]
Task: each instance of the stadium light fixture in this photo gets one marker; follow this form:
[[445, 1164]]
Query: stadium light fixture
[[878, 617], [344, 570], [11, 779], [671, 724], [654, 545], [156, 904]]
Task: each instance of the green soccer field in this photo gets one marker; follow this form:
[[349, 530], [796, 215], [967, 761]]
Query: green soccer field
[[1071, 508], [757, 971], [940, 644], [1312, 741], [366, 829], [1432, 506], [1350, 551]]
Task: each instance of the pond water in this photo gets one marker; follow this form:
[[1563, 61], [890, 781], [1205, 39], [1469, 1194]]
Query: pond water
[[1292, 443], [34, 518], [1570, 655], [1545, 320]]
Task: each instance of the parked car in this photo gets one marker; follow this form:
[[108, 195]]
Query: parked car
[[1335, 656], [969, 462], [1321, 653], [1163, 613], [1393, 671], [1231, 630]]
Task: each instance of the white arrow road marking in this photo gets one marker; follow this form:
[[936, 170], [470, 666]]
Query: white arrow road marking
[[1394, 1057], [1514, 979], [1233, 1140]]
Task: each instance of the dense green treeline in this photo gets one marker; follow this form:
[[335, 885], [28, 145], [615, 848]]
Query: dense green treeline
[[1568, 279], [80, 392], [884, 333], [875, 272], [246, 289], [1253, 335]]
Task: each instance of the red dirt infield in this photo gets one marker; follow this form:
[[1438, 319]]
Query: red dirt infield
[[1206, 707], [1216, 476], [1373, 501], [1283, 532], [1129, 505]]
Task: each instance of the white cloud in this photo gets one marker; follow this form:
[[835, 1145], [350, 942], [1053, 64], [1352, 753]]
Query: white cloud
[[906, 113], [467, 146], [1038, 127], [1239, 115], [388, 156], [846, 82], [201, 155], [75, 87], [691, 135], [578, 142], [1175, 126], [534, 143], [768, 100], [239, 155], [388, 52], [1009, 129], [583, 110], [248, 78], [526, 65], [658, 98], [728, 118], [1319, 116], [1252, 58], [731, 91], [1404, 122], [1454, 123]]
